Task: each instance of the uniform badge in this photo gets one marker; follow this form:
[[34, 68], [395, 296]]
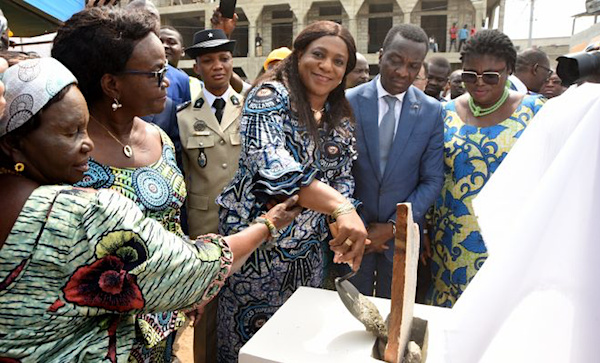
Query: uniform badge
[[199, 125], [199, 102], [235, 100], [202, 160]]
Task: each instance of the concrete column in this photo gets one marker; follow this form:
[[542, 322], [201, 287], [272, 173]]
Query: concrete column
[[207, 23], [353, 27], [253, 25], [480, 12], [300, 10], [501, 15], [251, 36]]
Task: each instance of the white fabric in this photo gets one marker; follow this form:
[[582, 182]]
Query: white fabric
[[519, 85], [536, 297], [210, 98], [383, 106]]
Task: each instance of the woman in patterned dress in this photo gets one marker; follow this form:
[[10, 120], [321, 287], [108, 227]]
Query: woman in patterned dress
[[297, 139], [481, 127], [76, 265], [120, 64]]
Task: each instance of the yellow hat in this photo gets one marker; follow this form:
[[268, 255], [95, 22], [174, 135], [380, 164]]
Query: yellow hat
[[277, 55]]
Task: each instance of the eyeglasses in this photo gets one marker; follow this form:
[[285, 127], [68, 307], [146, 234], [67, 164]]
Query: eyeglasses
[[159, 75], [549, 71], [491, 78]]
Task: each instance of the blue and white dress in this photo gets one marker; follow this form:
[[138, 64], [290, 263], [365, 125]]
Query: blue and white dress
[[278, 157]]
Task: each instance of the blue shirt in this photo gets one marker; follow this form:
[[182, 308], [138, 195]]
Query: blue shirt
[[463, 34], [179, 88]]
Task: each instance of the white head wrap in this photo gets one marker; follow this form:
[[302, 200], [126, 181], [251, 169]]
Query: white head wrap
[[29, 85]]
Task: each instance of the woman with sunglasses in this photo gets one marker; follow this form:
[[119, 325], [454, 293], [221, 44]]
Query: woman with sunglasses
[[481, 126], [119, 61]]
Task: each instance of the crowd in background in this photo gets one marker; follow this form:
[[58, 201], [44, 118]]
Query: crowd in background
[[231, 193]]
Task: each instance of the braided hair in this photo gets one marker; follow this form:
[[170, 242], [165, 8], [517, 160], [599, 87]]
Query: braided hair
[[491, 42]]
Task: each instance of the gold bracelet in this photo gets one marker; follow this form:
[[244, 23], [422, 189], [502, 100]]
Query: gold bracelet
[[267, 222], [344, 208]]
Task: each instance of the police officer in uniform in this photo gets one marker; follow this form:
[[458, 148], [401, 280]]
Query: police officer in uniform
[[209, 132]]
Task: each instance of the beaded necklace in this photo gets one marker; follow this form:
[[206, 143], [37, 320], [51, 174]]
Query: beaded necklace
[[478, 111]]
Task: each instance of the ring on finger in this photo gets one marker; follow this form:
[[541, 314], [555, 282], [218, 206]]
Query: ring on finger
[[348, 242]]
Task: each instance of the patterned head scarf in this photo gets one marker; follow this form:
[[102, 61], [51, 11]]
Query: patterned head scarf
[[29, 85]]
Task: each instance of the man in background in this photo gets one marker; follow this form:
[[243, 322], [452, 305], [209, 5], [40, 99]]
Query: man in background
[[400, 142], [457, 87], [179, 90], [463, 34], [453, 35], [553, 87], [360, 73], [531, 71], [438, 70]]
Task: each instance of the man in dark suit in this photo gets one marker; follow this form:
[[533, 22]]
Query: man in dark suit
[[400, 150]]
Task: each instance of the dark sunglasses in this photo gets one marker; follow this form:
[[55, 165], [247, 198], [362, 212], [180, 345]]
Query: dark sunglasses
[[487, 77], [159, 75]]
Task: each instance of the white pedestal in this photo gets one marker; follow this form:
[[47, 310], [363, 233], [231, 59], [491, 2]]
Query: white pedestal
[[313, 326]]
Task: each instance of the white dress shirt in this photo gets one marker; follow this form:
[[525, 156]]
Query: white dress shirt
[[210, 98]]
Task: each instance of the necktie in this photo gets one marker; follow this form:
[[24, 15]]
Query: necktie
[[386, 132], [219, 106]]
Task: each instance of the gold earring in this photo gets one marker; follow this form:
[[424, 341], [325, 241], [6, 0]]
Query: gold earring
[[19, 167]]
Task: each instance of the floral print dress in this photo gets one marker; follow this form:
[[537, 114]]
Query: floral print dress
[[471, 155], [77, 267], [278, 157], [159, 191]]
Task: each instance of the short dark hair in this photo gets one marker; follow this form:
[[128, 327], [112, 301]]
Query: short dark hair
[[171, 28], [529, 57], [440, 62], [99, 41], [491, 42], [406, 31]]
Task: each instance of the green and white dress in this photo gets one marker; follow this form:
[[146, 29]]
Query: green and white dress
[[79, 264]]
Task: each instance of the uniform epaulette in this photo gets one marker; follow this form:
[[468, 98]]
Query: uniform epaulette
[[183, 105]]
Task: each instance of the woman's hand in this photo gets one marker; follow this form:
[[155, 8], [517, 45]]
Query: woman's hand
[[349, 244], [283, 214]]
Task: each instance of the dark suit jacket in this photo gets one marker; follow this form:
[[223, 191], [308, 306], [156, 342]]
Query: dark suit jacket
[[415, 170]]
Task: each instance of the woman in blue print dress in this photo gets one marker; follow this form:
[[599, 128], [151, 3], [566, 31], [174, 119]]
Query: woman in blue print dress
[[481, 127], [297, 133]]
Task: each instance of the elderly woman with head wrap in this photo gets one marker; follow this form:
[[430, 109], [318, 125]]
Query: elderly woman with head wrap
[[77, 265]]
